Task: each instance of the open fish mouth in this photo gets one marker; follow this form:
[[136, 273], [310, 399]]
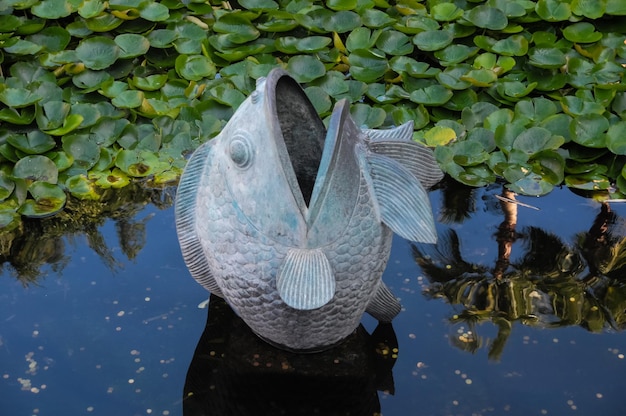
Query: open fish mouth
[[302, 131], [319, 164]]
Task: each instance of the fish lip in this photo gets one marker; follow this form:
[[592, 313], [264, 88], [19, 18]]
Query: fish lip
[[299, 135]]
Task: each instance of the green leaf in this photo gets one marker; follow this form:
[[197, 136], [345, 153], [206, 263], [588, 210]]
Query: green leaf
[[361, 38], [162, 38], [546, 58], [154, 12], [294, 45], [195, 67], [553, 10], [34, 142], [454, 54], [136, 163], [367, 66], [616, 138], [439, 136], [259, 5], [590, 9], [48, 200], [52, 39], [535, 140], [12, 115], [432, 40], [82, 149], [104, 22], [589, 129], [132, 45], [342, 22], [480, 77], [445, 12], [582, 32], [319, 98], [6, 187], [70, 123], [128, 99], [18, 97], [486, 17], [91, 8], [342, 4], [36, 168], [305, 68], [374, 18], [432, 95], [366, 116], [97, 52], [52, 9], [394, 43]]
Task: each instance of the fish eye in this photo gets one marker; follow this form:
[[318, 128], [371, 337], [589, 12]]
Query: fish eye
[[240, 151]]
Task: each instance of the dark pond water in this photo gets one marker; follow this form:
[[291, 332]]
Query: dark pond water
[[516, 311]]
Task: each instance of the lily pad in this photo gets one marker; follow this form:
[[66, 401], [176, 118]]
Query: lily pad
[[36, 168], [433, 40], [589, 129], [553, 10], [82, 149], [487, 17], [136, 163], [546, 58], [394, 43], [582, 32], [432, 95], [131, 45], [305, 68], [195, 67], [98, 52], [48, 199], [33, 143], [53, 9], [616, 138], [367, 66]]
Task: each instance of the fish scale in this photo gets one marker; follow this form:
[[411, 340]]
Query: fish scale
[[301, 266]]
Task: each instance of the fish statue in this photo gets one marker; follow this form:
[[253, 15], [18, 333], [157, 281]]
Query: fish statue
[[291, 222]]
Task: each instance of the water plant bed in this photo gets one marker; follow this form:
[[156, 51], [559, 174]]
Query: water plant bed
[[97, 94], [519, 309]]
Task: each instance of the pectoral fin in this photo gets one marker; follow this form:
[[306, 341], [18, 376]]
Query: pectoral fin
[[384, 306], [305, 280], [402, 202], [186, 212]]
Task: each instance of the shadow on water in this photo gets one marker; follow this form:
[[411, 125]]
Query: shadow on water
[[550, 284], [234, 372]]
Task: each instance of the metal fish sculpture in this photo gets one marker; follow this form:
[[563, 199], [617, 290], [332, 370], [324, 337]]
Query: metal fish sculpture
[[291, 222]]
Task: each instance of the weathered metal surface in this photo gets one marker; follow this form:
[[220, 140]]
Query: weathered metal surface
[[291, 222]]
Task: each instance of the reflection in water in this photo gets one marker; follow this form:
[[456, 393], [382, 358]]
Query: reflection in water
[[233, 372], [40, 242], [552, 284]]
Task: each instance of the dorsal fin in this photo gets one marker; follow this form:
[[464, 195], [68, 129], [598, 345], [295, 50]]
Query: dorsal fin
[[402, 132], [305, 280], [417, 158], [384, 306], [185, 213], [402, 202]]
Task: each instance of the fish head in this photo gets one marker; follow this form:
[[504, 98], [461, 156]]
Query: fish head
[[269, 155]]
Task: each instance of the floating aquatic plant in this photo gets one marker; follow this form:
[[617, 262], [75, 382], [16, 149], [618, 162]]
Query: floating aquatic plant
[[97, 94]]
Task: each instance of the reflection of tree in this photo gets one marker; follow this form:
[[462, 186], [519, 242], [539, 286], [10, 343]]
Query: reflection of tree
[[27, 249], [551, 284]]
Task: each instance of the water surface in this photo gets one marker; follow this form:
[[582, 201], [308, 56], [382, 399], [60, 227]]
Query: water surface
[[525, 321]]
